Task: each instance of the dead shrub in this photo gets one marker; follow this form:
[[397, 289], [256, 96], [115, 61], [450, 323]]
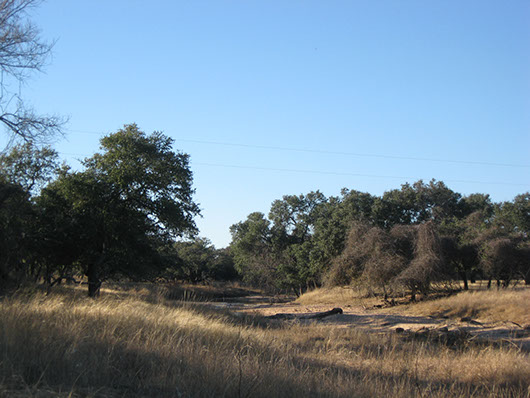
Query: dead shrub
[[406, 257]]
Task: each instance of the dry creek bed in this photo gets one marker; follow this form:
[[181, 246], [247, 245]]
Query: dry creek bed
[[385, 320]]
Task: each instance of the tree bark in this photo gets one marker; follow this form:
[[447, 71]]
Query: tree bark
[[94, 283], [463, 276]]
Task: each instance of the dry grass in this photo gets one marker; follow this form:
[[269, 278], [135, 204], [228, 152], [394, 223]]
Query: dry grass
[[488, 305], [180, 291], [68, 345], [338, 296]]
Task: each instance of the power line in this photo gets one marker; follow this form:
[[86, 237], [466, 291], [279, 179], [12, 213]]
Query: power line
[[348, 174], [342, 153], [319, 151], [323, 172]]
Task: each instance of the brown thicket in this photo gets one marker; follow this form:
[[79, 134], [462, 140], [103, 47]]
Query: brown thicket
[[405, 257], [427, 262], [349, 265]]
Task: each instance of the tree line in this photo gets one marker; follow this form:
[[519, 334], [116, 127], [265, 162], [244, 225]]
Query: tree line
[[407, 238], [128, 213]]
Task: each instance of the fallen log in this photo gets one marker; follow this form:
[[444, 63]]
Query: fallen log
[[318, 315]]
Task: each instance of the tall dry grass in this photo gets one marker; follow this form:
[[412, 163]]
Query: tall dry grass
[[338, 296], [68, 345], [488, 305]]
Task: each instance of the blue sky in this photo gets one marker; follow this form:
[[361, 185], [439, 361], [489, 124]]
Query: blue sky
[[284, 97]]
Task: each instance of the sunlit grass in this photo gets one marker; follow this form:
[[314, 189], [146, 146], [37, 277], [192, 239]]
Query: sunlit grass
[[338, 296], [488, 305], [121, 345]]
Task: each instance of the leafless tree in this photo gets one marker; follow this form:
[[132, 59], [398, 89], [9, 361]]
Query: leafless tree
[[426, 264], [22, 52], [407, 257], [349, 265]]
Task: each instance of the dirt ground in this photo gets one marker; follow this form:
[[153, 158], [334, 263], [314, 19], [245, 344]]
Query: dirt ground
[[385, 320]]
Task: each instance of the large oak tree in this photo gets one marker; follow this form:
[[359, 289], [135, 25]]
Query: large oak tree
[[133, 197]]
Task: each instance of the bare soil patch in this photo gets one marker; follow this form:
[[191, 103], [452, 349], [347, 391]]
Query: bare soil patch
[[389, 320]]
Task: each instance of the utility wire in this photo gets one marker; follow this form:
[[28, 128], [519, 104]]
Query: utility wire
[[348, 174], [322, 172], [319, 151]]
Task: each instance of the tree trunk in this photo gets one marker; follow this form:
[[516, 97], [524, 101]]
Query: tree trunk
[[413, 295], [94, 283], [463, 276]]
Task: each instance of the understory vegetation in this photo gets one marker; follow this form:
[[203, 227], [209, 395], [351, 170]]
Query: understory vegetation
[[65, 344]]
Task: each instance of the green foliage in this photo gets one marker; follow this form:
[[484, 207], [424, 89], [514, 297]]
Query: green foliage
[[331, 226], [249, 238], [30, 167], [198, 261], [131, 199], [23, 172], [294, 218], [415, 204], [98, 233], [476, 202], [407, 237], [253, 250], [149, 177], [515, 215], [295, 215], [16, 222]]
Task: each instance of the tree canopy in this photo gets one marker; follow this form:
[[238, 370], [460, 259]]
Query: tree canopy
[[132, 198]]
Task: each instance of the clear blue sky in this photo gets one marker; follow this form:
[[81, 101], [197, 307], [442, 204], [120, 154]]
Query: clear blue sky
[[339, 81]]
